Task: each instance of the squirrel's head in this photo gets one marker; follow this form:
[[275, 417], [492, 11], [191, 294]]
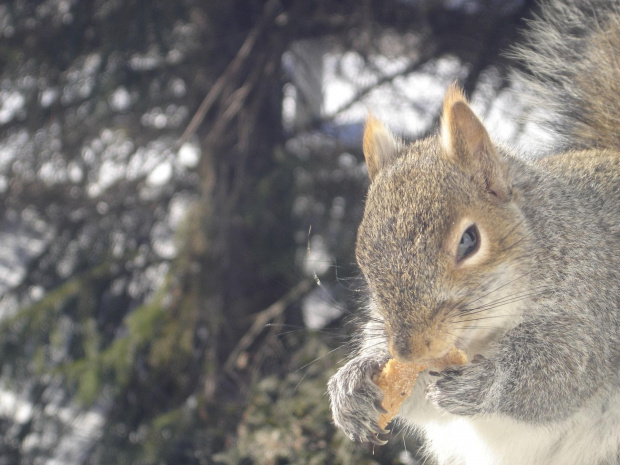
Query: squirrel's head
[[440, 224]]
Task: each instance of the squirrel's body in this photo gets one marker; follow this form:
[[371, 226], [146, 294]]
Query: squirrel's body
[[514, 261], [573, 206]]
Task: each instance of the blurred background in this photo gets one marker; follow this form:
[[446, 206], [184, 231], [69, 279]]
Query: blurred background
[[181, 184]]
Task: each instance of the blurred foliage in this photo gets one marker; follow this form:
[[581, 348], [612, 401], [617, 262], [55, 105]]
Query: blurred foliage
[[287, 419], [155, 206]]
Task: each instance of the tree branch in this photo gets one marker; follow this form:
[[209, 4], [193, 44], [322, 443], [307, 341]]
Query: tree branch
[[265, 316]]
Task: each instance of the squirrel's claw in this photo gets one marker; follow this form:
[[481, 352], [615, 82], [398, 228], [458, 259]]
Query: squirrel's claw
[[375, 440], [379, 407], [384, 431]]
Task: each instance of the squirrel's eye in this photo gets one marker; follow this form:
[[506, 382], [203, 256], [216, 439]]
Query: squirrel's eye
[[469, 242]]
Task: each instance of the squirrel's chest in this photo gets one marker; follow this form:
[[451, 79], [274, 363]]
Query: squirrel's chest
[[491, 441], [502, 441]]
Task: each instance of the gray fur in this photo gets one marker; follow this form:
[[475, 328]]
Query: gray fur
[[570, 60]]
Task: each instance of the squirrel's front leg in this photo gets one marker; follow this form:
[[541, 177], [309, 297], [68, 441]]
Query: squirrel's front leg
[[526, 377], [465, 390], [356, 400]]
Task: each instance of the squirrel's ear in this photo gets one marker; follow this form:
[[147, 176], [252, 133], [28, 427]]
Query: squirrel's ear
[[379, 146], [466, 141]]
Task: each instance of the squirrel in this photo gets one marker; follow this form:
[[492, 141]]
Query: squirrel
[[514, 260]]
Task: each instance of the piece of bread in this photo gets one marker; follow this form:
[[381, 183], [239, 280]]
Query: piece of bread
[[397, 380]]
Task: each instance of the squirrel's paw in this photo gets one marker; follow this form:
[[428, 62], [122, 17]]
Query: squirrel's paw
[[356, 400], [464, 390]]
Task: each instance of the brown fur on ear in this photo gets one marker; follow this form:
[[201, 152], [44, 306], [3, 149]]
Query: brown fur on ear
[[379, 146], [467, 142]]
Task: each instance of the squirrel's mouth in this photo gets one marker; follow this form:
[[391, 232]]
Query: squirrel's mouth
[[432, 360], [419, 349]]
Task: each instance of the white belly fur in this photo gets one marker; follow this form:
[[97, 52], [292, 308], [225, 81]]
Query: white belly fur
[[589, 437]]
